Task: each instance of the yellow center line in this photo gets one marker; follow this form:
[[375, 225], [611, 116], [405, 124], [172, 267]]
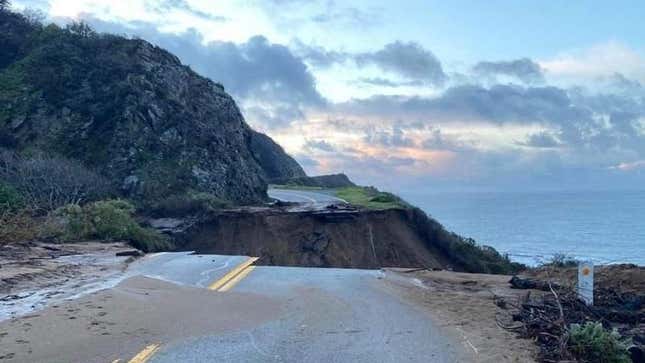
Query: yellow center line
[[232, 274], [229, 285], [145, 354]]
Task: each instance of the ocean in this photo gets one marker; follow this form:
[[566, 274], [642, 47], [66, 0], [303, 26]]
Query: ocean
[[605, 227]]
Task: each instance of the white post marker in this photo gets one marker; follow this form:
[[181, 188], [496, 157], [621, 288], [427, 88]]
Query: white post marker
[[585, 282]]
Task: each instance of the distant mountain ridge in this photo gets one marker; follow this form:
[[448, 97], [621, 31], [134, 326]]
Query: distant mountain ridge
[[132, 112]]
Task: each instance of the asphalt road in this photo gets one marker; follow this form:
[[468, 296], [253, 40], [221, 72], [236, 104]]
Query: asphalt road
[[223, 309], [329, 315], [320, 198]]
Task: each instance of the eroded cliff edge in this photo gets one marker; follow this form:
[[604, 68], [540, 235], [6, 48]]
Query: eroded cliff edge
[[347, 238]]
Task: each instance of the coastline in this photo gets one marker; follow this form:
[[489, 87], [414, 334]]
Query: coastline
[[531, 227]]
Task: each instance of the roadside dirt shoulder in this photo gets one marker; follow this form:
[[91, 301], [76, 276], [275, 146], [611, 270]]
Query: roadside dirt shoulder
[[465, 304]]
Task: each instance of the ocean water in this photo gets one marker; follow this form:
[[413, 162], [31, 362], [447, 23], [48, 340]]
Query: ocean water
[[605, 227]]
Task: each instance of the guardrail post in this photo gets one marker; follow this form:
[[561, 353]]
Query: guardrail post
[[585, 282]]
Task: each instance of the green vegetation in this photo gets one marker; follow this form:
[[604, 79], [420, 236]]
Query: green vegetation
[[43, 182], [294, 187], [110, 220], [477, 258], [191, 203], [463, 253], [10, 199], [561, 260], [330, 181], [593, 343], [371, 198], [17, 226]]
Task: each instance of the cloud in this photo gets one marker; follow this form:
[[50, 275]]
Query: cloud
[[393, 138], [564, 134], [635, 165], [499, 104], [601, 60], [260, 68], [384, 82], [350, 16], [409, 60], [318, 15], [405, 59], [319, 56], [320, 145], [543, 139], [273, 116], [439, 141], [623, 83], [523, 69], [166, 6]]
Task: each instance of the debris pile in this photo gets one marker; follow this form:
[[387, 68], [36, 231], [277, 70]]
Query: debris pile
[[549, 309]]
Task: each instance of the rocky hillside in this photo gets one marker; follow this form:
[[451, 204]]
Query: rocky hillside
[[130, 111]]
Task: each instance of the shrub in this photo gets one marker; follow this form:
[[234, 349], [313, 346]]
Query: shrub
[[17, 226], [10, 200], [561, 260], [464, 253], [48, 182], [110, 220], [191, 203], [593, 343], [371, 198], [383, 197]]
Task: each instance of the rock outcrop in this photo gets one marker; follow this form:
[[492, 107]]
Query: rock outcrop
[[271, 158], [132, 112]]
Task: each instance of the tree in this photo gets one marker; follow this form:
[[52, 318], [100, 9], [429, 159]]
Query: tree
[[46, 182], [81, 29], [4, 4]]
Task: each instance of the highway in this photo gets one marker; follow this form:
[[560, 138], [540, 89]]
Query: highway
[[180, 307], [319, 198]]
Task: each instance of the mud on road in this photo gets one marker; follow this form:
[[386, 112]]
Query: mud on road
[[33, 274]]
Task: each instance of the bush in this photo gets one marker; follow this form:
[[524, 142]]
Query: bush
[[561, 260], [383, 197], [110, 220], [10, 200], [371, 198], [45, 183], [16, 227], [189, 204], [593, 343], [463, 253]]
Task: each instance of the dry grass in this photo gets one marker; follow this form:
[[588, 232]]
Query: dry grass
[[17, 226]]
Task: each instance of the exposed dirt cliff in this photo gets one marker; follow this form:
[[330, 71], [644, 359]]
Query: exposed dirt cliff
[[340, 238]]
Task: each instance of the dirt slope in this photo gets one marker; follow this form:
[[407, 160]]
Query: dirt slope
[[365, 239]]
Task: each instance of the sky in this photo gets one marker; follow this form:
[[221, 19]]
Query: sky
[[418, 95]]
